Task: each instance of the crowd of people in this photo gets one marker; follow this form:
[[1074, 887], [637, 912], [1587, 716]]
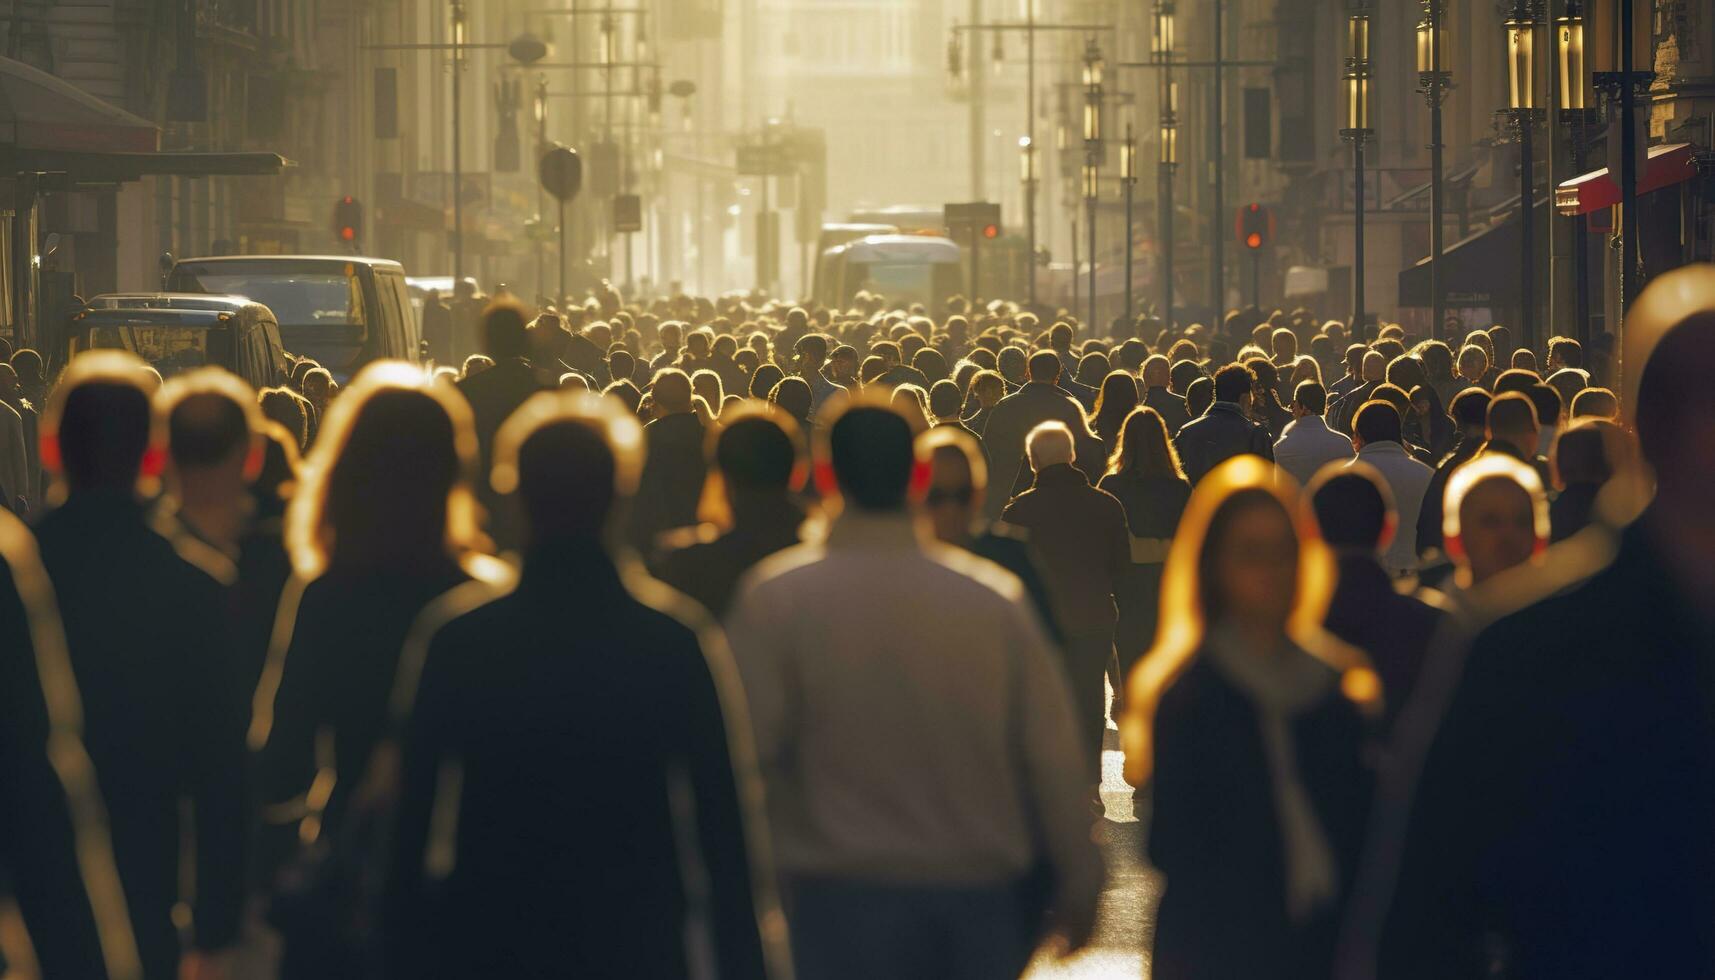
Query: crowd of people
[[727, 637]]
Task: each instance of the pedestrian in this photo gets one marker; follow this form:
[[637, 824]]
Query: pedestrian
[[900, 862], [1434, 425], [1377, 435], [753, 474], [1243, 719], [1265, 398], [383, 524], [573, 850], [1039, 400], [811, 352], [1225, 430], [958, 478], [674, 465], [1145, 477], [55, 852], [1583, 461], [1114, 402], [1080, 537], [1156, 378], [1307, 444], [1470, 412], [1354, 510], [148, 622], [495, 393]]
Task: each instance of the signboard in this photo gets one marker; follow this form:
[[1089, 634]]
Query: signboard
[[627, 213], [561, 172]]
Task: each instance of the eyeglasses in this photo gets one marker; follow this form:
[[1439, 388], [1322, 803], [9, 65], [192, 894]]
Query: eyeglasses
[[940, 496]]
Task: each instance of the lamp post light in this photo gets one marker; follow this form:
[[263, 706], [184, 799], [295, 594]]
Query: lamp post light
[[1357, 132], [1578, 119], [1128, 180], [1520, 29], [1028, 175], [1434, 78], [1093, 146]]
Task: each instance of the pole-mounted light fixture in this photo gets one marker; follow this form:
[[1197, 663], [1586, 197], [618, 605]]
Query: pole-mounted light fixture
[[1169, 136], [1569, 53], [1357, 75], [1432, 53], [1026, 160], [1521, 56], [1161, 45], [1091, 181], [1128, 157]]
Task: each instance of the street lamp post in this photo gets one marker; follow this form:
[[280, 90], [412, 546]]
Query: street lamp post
[[1161, 52], [460, 27], [1577, 117], [1521, 109], [1093, 145], [539, 110], [1028, 174], [1434, 79], [1357, 132], [1128, 178]]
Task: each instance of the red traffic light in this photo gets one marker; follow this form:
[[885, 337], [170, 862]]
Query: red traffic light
[[1253, 240], [991, 231], [348, 234], [348, 219], [1253, 226]]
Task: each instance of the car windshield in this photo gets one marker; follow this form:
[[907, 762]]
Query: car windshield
[[169, 349], [298, 298]]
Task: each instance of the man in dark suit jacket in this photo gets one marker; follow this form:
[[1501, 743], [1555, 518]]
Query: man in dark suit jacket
[[149, 629], [495, 394], [1040, 400], [585, 843], [1224, 431], [1079, 534], [1353, 509], [756, 459], [1156, 395], [674, 468]]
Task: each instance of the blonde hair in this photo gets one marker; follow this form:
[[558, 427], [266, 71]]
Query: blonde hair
[[1183, 622]]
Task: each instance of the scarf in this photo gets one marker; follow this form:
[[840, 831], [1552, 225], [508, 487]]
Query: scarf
[[1281, 686]]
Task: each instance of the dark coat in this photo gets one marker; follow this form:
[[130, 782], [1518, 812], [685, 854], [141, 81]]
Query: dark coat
[[1564, 810], [494, 395], [1171, 408], [1395, 630], [38, 850], [1429, 517], [1571, 512], [1218, 435], [1012, 420], [589, 732], [1153, 507], [1009, 547], [672, 480], [337, 675], [165, 710], [709, 570], [901, 374], [1213, 831], [1079, 535]]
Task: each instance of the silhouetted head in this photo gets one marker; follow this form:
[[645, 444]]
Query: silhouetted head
[[1045, 367], [97, 431], [1353, 507], [570, 458], [503, 330], [867, 455]]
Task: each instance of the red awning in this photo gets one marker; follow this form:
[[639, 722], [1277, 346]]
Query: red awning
[[41, 112], [1667, 165]]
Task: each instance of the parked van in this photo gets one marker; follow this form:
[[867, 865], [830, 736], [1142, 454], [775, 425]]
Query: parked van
[[177, 332], [343, 311]]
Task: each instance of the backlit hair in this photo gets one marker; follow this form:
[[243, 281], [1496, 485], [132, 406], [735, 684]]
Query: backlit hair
[[1494, 466]]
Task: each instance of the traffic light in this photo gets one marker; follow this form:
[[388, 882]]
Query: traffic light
[[971, 220], [348, 220], [1254, 227], [991, 230]]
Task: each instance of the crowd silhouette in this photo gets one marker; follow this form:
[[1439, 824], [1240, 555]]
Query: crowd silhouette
[[727, 637]]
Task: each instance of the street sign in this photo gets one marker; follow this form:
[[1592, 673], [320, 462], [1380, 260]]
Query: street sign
[[764, 160], [561, 172], [627, 213]]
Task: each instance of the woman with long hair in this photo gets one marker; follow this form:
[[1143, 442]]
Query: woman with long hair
[[383, 523], [1144, 473], [1433, 422], [1248, 718], [1114, 403]]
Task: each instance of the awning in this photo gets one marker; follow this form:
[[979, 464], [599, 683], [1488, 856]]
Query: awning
[[116, 168], [1666, 165], [40, 111], [49, 125], [1481, 270]]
